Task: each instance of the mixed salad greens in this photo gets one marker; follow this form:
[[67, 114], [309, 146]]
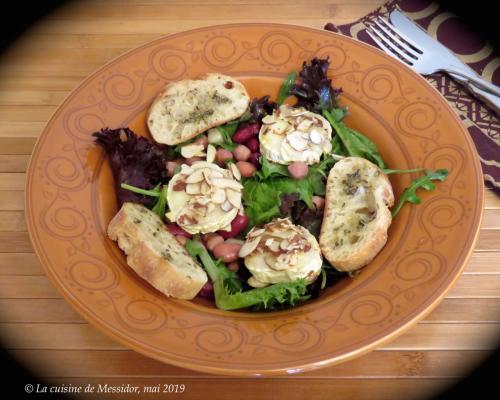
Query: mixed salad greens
[[140, 175]]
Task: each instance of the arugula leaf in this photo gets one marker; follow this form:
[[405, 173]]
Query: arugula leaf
[[155, 192], [401, 171], [269, 169], [355, 143], [338, 113], [227, 131], [227, 287], [262, 196], [161, 204], [425, 182], [286, 87]]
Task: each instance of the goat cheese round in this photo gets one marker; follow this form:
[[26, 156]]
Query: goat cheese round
[[281, 252], [203, 198], [294, 134]]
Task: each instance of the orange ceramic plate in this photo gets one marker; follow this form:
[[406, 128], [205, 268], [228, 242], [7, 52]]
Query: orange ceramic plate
[[70, 200]]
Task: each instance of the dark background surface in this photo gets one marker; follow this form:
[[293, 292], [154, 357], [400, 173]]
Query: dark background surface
[[481, 15]]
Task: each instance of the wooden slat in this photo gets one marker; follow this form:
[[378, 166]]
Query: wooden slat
[[160, 26], [13, 163], [24, 115], [465, 310], [12, 181], [27, 287], [12, 221], [38, 310], [11, 200], [31, 97], [489, 240], [491, 219], [127, 363], [471, 285], [15, 242], [421, 337], [486, 262], [491, 200], [476, 336], [204, 11], [20, 264], [21, 145]]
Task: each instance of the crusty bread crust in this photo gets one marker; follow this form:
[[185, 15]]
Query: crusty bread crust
[[168, 129], [368, 227], [174, 273]]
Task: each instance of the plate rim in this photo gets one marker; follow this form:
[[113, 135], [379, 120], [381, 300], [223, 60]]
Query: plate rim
[[130, 342]]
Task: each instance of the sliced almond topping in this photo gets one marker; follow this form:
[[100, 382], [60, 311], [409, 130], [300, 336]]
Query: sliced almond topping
[[282, 262], [249, 247], [252, 281], [204, 188], [219, 196], [206, 175], [216, 174], [268, 119], [274, 247], [316, 137], [226, 206], [284, 244], [226, 184], [296, 141], [269, 242], [193, 188], [270, 260], [192, 150], [235, 171], [210, 153], [255, 232], [195, 177], [186, 169], [234, 197]]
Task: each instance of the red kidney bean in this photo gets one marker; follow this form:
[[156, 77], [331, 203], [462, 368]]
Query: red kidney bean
[[234, 266], [298, 169], [214, 241], [227, 251], [181, 239], [192, 160], [241, 153], [206, 236], [319, 202], [222, 155], [247, 169], [238, 224], [176, 230], [253, 144], [254, 159], [171, 166], [207, 290], [246, 132], [202, 140]]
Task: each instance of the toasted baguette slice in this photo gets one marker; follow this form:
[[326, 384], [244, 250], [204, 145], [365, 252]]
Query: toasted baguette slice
[[357, 216], [186, 108], [154, 253]]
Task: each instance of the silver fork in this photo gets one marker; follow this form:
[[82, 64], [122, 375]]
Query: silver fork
[[421, 59]]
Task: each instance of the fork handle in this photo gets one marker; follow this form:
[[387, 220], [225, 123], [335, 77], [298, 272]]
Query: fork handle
[[490, 99], [472, 78]]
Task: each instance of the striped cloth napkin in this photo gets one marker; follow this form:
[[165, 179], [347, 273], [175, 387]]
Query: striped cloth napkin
[[482, 123]]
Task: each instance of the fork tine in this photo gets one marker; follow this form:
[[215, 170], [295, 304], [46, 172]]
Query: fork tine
[[408, 49], [381, 45], [414, 49], [388, 46]]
